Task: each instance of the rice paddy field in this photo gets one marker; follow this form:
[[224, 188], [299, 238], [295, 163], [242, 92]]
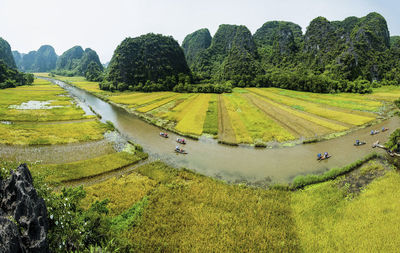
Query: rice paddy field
[[184, 211], [43, 114], [254, 115]]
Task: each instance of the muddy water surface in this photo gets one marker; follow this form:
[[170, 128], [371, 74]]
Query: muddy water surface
[[237, 164]]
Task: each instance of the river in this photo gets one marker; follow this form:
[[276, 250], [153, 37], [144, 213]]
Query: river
[[232, 163]]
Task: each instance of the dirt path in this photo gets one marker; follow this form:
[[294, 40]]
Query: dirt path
[[56, 153], [296, 125], [226, 134]]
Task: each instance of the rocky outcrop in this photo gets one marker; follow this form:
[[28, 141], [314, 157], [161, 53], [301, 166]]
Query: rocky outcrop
[[23, 215], [195, 43], [5, 54]]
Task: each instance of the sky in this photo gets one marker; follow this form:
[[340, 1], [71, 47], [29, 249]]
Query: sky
[[103, 24]]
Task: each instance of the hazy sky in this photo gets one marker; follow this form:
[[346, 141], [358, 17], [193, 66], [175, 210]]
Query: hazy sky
[[103, 24]]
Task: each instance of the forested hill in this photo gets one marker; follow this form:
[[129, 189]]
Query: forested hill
[[43, 60], [338, 54], [75, 61], [149, 62]]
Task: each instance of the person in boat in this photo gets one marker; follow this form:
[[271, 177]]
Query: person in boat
[[357, 142], [319, 156], [326, 155], [372, 132], [177, 148]]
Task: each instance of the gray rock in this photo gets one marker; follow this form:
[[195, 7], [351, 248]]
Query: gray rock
[[23, 215]]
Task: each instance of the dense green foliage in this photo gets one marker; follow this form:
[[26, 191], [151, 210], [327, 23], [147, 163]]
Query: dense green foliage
[[195, 43], [10, 77], [43, 60], [6, 54], [94, 72], [394, 141], [75, 61], [138, 63]]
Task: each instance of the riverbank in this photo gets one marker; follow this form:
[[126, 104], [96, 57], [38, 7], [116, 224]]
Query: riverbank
[[250, 109], [261, 167]]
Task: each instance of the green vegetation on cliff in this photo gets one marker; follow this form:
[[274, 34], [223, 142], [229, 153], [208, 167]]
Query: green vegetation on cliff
[[75, 61], [6, 54], [232, 53], [332, 56], [9, 76], [195, 43]]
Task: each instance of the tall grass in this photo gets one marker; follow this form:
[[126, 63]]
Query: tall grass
[[330, 220], [187, 212], [302, 181]]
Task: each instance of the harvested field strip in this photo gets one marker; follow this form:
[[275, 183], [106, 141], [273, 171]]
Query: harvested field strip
[[349, 118], [57, 173], [65, 153], [127, 98], [355, 102], [90, 86], [155, 105], [211, 122], [192, 123], [309, 117], [295, 124], [386, 93], [226, 134], [123, 192], [138, 99], [259, 125], [35, 134], [242, 135], [163, 110], [178, 112]]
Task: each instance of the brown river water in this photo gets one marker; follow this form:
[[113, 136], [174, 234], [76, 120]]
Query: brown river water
[[236, 164]]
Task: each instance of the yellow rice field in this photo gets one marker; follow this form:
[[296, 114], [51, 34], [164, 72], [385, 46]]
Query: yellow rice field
[[192, 123]]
